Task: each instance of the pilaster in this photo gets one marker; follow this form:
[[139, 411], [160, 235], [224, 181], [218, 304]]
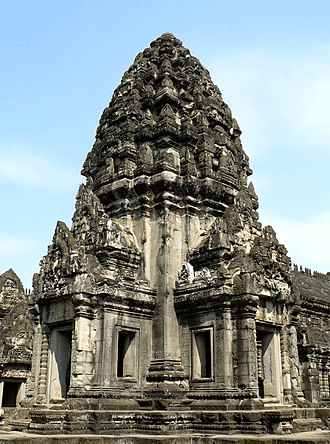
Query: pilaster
[[44, 361], [285, 358], [83, 343], [227, 347]]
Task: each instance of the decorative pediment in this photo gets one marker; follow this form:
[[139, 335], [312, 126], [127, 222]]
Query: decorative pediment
[[16, 327], [94, 229], [236, 250], [11, 288], [62, 256]]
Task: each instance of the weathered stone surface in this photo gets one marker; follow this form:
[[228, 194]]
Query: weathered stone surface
[[308, 437], [167, 307], [16, 334], [166, 294], [314, 335]]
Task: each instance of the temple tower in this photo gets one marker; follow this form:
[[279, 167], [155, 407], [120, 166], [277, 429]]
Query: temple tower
[[167, 161], [166, 293]]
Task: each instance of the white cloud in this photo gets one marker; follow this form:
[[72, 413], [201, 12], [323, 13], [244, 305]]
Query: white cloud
[[282, 102], [21, 170], [315, 103], [277, 96], [14, 245], [27, 168]]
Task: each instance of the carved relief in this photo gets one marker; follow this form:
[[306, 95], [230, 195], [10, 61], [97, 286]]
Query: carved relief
[[166, 292]]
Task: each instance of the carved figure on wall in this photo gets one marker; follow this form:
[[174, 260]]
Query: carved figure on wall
[[146, 156]]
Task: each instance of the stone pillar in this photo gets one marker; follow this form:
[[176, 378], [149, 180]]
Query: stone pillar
[[326, 380], [312, 375], [246, 305], [247, 352], [227, 348], [323, 380], [285, 358], [44, 359], [166, 370], [21, 393], [107, 348], [83, 368], [99, 350], [294, 363], [33, 381], [320, 379], [1, 392]]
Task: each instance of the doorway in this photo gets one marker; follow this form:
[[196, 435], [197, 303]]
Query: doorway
[[269, 364], [12, 391], [202, 348], [60, 363]]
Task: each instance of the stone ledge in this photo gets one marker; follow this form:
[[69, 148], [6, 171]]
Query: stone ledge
[[317, 437]]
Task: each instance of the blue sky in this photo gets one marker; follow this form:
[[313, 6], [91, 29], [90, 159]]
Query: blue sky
[[60, 62]]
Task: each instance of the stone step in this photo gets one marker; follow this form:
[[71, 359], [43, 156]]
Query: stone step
[[16, 424], [317, 437], [15, 413]]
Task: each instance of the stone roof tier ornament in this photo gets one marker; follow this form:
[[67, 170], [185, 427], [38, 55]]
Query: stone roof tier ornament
[[167, 116]]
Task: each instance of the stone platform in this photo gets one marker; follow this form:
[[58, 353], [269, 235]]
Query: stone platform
[[306, 437], [283, 421]]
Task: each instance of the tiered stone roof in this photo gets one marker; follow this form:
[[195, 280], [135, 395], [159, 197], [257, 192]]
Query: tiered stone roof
[[314, 286], [167, 115]]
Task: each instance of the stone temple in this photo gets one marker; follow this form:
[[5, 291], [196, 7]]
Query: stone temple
[[167, 307]]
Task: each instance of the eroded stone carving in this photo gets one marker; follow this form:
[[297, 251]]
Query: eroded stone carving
[[167, 293], [16, 335]]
